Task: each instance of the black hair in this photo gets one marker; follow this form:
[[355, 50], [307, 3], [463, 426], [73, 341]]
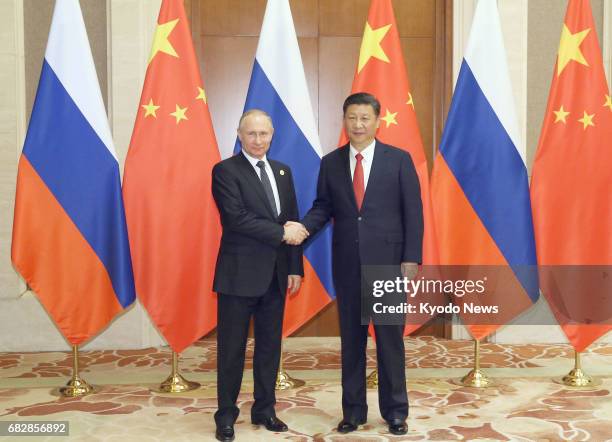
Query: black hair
[[362, 98]]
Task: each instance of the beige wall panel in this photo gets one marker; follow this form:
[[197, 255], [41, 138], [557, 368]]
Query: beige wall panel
[[323, 324], [11, 136], [415, 18], [309, 48], [37, 21], [226, 64], [339, 56], [337, 62], [344, 18], [244, 18]]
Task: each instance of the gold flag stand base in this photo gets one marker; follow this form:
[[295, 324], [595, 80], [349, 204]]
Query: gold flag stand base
[[476, 378], [576, 378], [175, 383], [372, 379], [283, 380], [286, 382], [76, 387]]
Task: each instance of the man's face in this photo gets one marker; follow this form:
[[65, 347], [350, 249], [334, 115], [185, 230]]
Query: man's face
[[361, 123], [255, 135]]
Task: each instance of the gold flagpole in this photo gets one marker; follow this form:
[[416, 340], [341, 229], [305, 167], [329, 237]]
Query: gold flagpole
[[76, 386], [476, 377], [283, 380], [176, 383]]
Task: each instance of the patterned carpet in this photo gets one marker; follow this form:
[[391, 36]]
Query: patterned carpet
[[525, 405]]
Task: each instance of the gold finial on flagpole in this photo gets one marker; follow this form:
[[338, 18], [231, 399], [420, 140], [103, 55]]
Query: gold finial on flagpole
[[76, 386]]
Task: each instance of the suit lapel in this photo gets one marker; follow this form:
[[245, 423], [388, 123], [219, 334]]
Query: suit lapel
[[254, 182], [375, 170], [280, 176], [346, 173]]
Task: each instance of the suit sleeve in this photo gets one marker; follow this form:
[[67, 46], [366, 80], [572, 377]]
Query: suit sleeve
[[235, 216], [296, 262], [321, 211], [412, 211]]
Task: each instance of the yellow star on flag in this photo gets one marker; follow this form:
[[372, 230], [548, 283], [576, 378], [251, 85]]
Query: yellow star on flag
[[201, 95], [561, 115], [389, 118], [160, 40], [150, 108], [569, 48], [608, 102], [587, 120], [370, 45], [179, 114], [410, 100]]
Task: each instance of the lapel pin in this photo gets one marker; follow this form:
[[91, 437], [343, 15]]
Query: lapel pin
[[282, 172]]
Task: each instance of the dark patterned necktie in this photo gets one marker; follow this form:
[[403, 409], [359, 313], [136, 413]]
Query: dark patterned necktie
[[265, 180]]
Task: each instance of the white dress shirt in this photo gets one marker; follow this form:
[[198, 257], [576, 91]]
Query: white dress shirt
[[270, 173], [366, 162]]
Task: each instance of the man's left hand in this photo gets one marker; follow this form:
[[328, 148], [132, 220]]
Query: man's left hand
[[293, 283]]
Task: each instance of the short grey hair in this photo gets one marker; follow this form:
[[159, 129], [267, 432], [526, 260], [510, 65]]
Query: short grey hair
[[254, 112]]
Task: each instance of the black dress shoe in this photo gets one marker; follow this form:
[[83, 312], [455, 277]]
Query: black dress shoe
[[346, 426], [398, 427], [272, 423], [225, 433]]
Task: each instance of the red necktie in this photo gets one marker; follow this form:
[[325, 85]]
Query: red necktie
[[358, 183]]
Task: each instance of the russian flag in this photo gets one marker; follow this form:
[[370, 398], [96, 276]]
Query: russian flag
[[69, 233], [479, 182], [278, 86]]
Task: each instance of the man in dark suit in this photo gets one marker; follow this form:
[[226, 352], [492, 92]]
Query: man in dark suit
[[371, 191], [255, 267]]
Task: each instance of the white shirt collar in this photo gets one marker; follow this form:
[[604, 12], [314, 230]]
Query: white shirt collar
[[254, 160], [367, 153]]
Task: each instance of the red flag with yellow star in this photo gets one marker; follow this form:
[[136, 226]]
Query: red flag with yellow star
[[381, 71], [173, 223], [571, 182]]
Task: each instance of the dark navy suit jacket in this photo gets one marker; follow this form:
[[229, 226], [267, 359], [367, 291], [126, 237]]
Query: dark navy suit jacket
[[387, 230], [251, 245]]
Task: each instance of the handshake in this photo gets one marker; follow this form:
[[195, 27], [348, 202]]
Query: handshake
[[295, 233]]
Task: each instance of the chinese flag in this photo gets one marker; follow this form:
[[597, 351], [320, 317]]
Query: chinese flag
[[381, 71], [571, 182], [173, 223]]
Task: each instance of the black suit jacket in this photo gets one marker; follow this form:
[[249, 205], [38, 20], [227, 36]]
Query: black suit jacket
[[388, 229], [251, 245]]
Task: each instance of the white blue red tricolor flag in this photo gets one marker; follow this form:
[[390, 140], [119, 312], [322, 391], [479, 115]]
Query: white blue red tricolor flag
[[479, 182], [69, 233], [278, 86]]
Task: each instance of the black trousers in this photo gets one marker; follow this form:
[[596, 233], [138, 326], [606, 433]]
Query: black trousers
[[233, 316], [391, 359]]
